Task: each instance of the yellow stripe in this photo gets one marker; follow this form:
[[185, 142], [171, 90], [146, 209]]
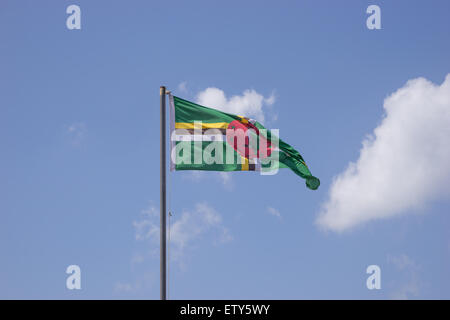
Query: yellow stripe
[[244, 162], [243, 120], [190, 125]]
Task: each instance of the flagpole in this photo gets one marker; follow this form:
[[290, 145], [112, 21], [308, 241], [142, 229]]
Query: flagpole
[[162, 239]]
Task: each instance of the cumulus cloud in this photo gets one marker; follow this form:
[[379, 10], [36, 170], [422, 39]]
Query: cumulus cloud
[[192, 224], [250, 103], [402, 166], [185, 229], [182, 87], [225, 178], [137, 258], [76, 132], [410, 283], [198, 176], [274, 212], [147, 227], [142, 283]]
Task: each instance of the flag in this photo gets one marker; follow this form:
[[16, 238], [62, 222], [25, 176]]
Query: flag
[[203, 138]]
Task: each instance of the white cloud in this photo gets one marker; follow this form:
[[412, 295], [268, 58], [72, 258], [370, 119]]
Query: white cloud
[[410, 283], [182, 87], [125, 287], [137, 258], [186, 228], [146, 227], [76, 132], [197, 176], [406, 291], [191, 225], [225, 178], [144, 282], [403, 166], [274, 212], [194, 175], [250, 103]]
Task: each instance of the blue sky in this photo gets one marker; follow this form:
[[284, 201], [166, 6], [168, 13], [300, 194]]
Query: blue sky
[[79, 134]]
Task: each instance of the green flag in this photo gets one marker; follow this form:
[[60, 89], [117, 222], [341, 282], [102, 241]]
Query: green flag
[[208, 139]]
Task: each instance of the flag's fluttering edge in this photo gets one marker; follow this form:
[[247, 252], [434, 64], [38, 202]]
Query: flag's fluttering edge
[[208, 139]]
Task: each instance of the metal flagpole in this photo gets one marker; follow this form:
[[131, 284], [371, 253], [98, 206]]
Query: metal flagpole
[[162, 231]]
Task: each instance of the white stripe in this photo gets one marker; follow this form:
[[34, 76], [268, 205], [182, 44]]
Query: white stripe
[[198, 137]]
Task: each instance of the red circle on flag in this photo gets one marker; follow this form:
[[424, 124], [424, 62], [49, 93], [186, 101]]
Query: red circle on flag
[[238, 137]]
